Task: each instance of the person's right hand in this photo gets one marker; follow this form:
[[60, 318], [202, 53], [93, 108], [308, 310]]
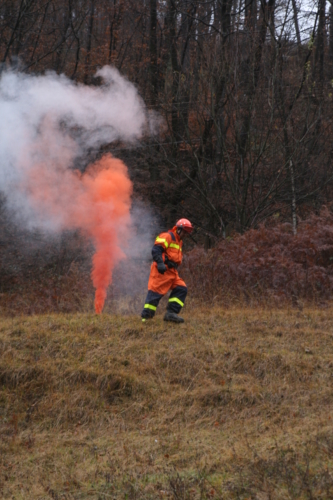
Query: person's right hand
[[161, 267]]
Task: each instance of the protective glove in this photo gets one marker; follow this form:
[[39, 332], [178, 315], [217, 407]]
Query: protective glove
[[161, 267]]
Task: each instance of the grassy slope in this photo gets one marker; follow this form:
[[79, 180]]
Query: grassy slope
[[232, 404]]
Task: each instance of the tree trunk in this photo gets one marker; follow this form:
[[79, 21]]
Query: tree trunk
[[320, 43], [330, 47], [89, 38], [15, 29], [293, 197], [59, 51], [298, 36], [175, 74], [153, 69], [185, 80], [39, 31]]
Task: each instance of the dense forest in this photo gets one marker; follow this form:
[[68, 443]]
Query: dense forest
[[244, 89], [240, 92]]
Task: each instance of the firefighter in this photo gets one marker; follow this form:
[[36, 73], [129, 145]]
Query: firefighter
[[167, 255]]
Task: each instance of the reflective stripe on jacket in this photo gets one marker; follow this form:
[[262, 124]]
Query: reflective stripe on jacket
[[172, 245]]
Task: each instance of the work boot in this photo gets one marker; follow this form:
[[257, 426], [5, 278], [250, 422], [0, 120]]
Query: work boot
[[171, 316]]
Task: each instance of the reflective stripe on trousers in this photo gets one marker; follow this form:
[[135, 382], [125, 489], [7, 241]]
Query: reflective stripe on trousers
[[151, 304], [177, 299], [175, 303]]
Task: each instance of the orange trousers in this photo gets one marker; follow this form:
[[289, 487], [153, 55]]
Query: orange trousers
[[162, 283], [159, 285]]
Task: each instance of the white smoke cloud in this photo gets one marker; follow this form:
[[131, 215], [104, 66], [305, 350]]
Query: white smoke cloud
[[49, 125], [52, 120]]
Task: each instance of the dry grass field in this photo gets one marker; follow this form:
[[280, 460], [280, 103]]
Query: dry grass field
[[235, 403]]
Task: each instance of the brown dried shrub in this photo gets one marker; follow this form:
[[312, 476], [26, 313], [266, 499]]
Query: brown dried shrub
[[267, 264]]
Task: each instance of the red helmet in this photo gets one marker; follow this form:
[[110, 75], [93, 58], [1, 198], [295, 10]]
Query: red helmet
[[185, 225]]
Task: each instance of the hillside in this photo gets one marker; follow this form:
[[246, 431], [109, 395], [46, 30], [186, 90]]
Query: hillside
[[235, 403]]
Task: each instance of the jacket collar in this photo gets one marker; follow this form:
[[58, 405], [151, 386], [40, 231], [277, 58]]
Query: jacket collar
[[174, 231]]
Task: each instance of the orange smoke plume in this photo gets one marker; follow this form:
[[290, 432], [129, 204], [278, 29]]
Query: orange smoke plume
[[96, 202], [111, 190]]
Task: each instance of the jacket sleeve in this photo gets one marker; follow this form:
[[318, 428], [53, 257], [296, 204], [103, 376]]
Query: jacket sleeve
[[156, 252], [162, 242]]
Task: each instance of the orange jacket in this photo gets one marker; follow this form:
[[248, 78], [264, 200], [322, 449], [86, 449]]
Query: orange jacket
[[172, 246]]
